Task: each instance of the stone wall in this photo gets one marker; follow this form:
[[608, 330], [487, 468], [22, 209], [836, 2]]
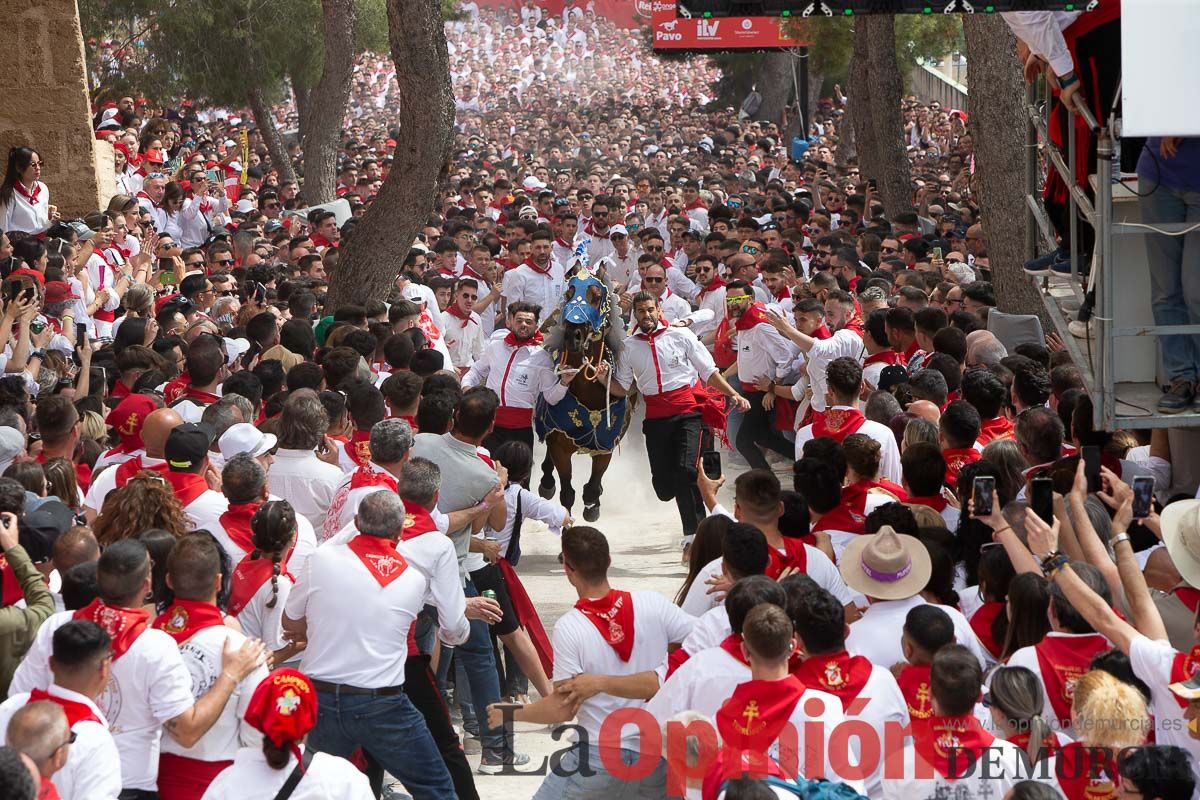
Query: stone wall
[[44, 103]]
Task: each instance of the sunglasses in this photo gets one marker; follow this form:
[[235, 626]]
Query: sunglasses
[[888, 250], [653, 280], [750, 250], [658, 249], [224, 262], [730, 301]]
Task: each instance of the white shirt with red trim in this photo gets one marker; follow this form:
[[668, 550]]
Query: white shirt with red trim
[[1027, 657], [150, 685], [579, 648], [306, 537], [260, 622], [358, 629], [762, 352], [202, 656], [106, 481], [516, 374], [702, 683], [464, 339], [93, 768], [544, 289], [26, 216], [889, 453], [1005, 767], [676, 359]]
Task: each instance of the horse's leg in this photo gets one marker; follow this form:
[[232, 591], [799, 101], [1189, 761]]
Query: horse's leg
[[561, 450], [594, 487], [546, 487]]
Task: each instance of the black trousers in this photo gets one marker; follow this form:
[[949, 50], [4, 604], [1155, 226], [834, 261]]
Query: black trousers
[[137, 794], [758, 428], [421, 688], [673, 445]]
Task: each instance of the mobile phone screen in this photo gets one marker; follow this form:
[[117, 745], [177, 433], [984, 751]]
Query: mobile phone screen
[[1042, 499], [1143, 496], [984, 494]]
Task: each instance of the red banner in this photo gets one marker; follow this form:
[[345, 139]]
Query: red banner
[[672, 32]]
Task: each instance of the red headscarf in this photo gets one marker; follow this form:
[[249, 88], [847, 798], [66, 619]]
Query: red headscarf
[[284, 708]]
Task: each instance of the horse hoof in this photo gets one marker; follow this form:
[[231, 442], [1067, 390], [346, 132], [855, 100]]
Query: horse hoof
[[591, 513], [546, 490]]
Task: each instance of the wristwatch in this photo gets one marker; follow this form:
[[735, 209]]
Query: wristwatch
[[38, 354], [1070, 79]]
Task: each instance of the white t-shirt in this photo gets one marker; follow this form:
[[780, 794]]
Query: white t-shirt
[[260, 622], [93, 768], [1152, 661], [106, 481], [1005, 768], [819, 568], [150, 685], [702, 684], [889, 453], [250, 778], [876, 634], [579, 648]]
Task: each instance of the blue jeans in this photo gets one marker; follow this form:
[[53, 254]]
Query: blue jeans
[[567, 783], [1174, 274], [479, 662], [392, 731]]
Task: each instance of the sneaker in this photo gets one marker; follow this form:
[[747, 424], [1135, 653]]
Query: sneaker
[[1043, 264], [1063, 268], [1178, 398], [494, 763], [1082, 330]]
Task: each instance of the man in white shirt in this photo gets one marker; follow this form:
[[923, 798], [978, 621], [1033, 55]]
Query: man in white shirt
[[197, 625], [464, 329], [846, 341], [150, 689], [843, 384], [348, 606], [605, 652], [539, 280], [654, 282], [623, 258], [668, 364], [710, 296], [298, 475], [761, 353], [158, 426], [186, 452], [91, 768]]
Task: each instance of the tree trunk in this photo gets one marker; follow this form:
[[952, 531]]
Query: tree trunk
[[996, 108], [327, 102], [270, 133], [858, 105], [775, 83], [370, 258], [882, 156]]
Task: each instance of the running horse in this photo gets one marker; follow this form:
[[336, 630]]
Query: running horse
[[588, 419]]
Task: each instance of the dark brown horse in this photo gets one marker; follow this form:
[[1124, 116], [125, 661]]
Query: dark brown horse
[[588, 420]]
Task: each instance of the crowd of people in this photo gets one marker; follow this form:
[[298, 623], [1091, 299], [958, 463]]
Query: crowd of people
[[258, 547]]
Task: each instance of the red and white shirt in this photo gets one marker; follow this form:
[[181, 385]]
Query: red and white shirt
[[889, 453], [29, 209], [665, 364], [518, 372]]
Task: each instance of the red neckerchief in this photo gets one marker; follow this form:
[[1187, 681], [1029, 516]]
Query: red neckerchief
[[359, 447], [144, 196], [123, 625], [755, 714], [127, 445], [981, 622], [613, 617], [1063, 660], [1086, 773], [236, 522], [723, 353], [47, 790], [428, 327], [175, 389], [943, 738], [203, 398], [411, 420], [120, 390], [1049, 744], [456, 312], [540, 270], [697, 203], [822, 332], [83, 473], [911, 350], [249, 575], [187, 485], [132, 467], [1188, 596], [75, 711], [33, 196], [366, 476], [1184, 666], [417, 520], [884, 357], [511, 340], [185, 618], [320, 241], [956, 459], [716, 283], [794, 556], [915, 685], [379, 556], [996, 428], [838, 673], [837, 423], [851, 512], [934, 501], [732, 644], [469, 272], [754, 315], [561, 242]]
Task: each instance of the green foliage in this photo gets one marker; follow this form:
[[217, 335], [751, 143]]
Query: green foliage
[[923, 37]]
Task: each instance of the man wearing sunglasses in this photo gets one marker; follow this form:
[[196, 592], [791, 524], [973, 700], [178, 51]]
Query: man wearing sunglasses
[[78, 751]]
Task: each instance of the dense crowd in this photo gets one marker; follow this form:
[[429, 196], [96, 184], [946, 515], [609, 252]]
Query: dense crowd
[[259, 547]]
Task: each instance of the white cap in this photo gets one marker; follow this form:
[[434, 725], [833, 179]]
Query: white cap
[[235, 349], [12, 444], [532, 184], [528, 212], [244, 438], [615, 229], [244, 207], [413, 292]]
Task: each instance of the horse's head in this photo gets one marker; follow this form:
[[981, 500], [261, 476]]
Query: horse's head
[[585, 312]]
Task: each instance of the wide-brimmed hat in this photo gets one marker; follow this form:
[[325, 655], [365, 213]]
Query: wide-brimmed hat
[[886, 565], [1181, 535]]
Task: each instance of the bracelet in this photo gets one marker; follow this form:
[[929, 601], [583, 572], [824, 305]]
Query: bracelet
[[1053, 564], [999, 531], [1070, 79], [1120, 537], [227, 675]]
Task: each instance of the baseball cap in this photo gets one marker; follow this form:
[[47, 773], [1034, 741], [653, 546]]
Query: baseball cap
[[128, 417], [532, 184], [12, 444], [618, 230], [892, 375], [41, 528], [59, 292], [187, 445], [413, 292], [235, 349], [245, 438]]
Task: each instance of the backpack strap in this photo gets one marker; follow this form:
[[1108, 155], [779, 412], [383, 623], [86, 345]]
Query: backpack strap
[[297, 775]]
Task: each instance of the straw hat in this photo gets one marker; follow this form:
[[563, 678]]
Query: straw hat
[[1181, 535], [886, 565]]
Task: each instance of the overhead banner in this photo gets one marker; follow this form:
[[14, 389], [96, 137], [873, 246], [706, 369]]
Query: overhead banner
[[673, 32]]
